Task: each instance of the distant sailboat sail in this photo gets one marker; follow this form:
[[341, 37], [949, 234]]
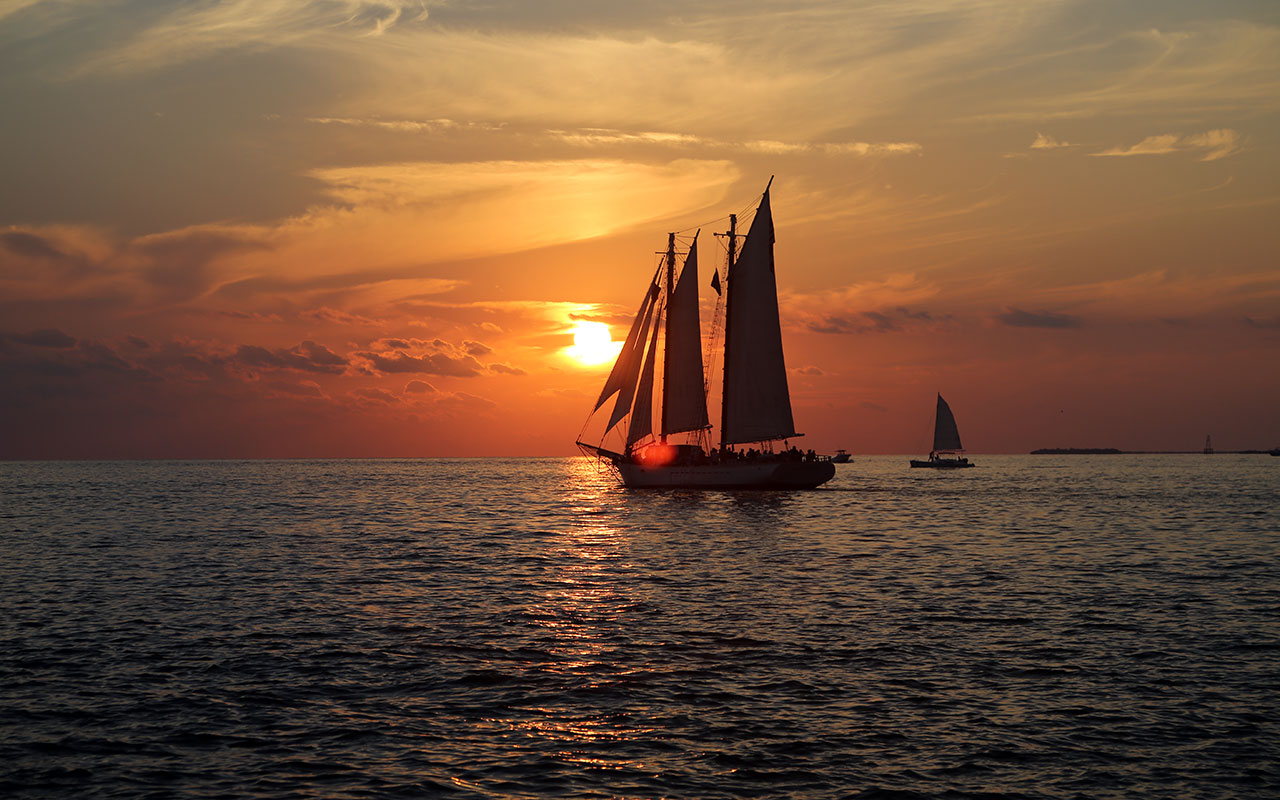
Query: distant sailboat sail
[[946, 437], [946, 442], [757, 403]]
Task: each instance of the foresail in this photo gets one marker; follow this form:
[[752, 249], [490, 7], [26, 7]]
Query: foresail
[[641, 424], [757, 404], [629, 356], [684, 406], [946, 436], [631, 371]]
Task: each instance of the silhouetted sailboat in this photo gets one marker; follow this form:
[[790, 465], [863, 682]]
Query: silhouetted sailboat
[[946, 442], [755, 401]]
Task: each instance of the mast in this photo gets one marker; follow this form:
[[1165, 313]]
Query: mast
[[732, 233], [666, 335], [684, 388]]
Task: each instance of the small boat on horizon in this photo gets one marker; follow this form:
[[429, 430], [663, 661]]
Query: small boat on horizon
[[947, 450], [755, 409], [841, 457]]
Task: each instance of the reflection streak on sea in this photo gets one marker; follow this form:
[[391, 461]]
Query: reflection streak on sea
[[1034, 627]]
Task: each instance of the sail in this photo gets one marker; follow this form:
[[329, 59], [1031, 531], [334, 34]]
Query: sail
[[757, 404], [642, 410], [684, 398], [629, 356], [946, 436], [630, 372]]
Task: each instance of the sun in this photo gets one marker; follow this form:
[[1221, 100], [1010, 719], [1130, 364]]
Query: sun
[[592, 344]]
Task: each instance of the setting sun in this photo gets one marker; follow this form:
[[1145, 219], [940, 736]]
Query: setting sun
[[592, 344]]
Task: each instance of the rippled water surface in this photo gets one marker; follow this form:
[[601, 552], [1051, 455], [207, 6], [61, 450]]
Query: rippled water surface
[[1042, 627]]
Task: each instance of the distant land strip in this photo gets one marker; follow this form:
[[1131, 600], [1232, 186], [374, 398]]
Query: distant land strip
[[1111, 451]]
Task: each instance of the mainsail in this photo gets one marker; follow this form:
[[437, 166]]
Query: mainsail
[[946, 437], [684, 399], [757, 404]]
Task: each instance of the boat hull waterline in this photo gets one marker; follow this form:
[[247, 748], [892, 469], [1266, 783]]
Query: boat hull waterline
[[943, 463], [766, 475]]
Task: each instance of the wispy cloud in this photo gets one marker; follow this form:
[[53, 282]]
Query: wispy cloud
[[195, 30], [1211, 145], [1018, 318], [599, 138], [1045, 142]]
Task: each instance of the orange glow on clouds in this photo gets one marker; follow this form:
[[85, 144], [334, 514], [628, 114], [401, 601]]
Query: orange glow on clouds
[[385, 243]]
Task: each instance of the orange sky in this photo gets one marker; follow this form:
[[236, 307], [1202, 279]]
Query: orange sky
[[366, 227]]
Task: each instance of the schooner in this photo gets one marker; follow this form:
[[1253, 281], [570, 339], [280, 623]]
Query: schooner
[[755, 404]]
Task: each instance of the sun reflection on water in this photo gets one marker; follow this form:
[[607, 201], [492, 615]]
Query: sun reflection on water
[[580, 613]]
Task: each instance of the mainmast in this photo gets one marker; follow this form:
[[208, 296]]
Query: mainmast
[[666, 350], [732, 233]]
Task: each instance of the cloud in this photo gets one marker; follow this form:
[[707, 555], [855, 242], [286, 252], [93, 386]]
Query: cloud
[[809, 370], [194, 31], [883, 305], [429, 364], [604, 137], [1018, 318], [473, 348], [45, 337], [31, 245], [1212, 145], [855, 322], [540, 202], [375, 395], [180, 262], [1205, 68], [52, 368], [1272, 323], [1044, 142], [255, 316], [308, 357], [461, 401], [296, 389], [428, 126], [503, 369], [333, 315]]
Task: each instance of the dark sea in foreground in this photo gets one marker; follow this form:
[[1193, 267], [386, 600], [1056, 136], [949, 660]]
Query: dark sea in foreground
[[1039, 627]]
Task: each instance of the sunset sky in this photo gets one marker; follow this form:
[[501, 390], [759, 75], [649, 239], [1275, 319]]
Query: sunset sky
[[270, 228]]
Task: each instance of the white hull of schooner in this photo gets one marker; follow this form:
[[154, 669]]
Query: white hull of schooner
[[775, 475]]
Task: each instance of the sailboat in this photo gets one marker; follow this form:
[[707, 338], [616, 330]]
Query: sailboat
[[946, 453], [755, 410]]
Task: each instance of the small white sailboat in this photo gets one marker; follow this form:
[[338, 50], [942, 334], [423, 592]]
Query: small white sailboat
[[755, 401], [947, 450]]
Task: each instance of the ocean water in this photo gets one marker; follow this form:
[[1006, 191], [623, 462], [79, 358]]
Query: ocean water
[[1037, 627]]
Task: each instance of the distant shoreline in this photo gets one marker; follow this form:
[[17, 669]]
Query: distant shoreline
[[1111, 451]]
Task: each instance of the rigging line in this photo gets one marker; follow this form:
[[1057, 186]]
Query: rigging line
[[741, 213], [703, 225]]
